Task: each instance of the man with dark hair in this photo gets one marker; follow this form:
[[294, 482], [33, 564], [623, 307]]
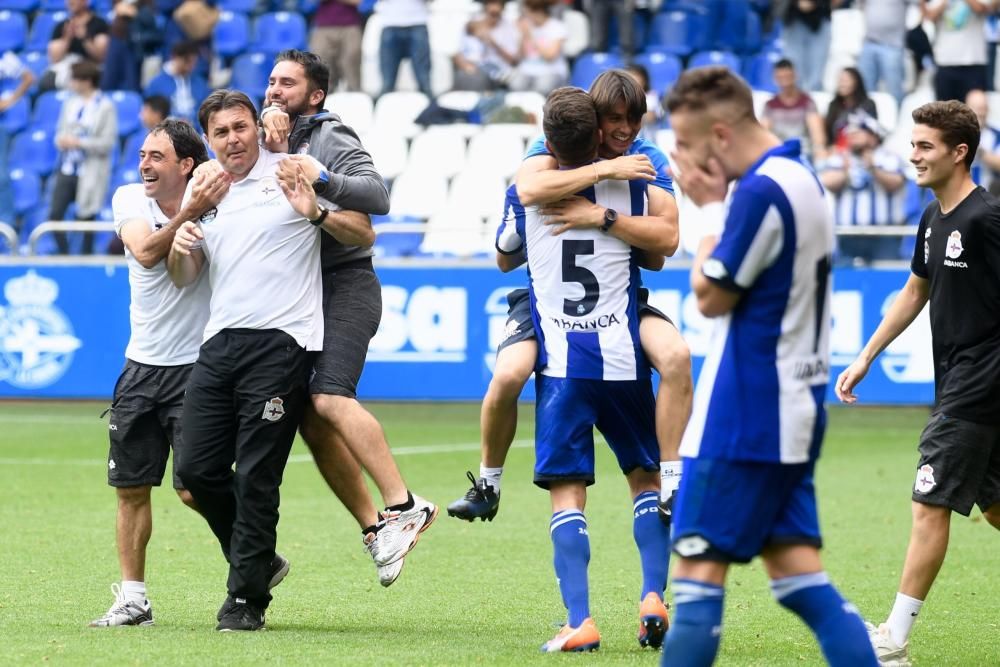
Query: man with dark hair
[[166, 333], [620, 103], [792, 114], [954, 270], [342, 435], [82, 35], [591, 371], [248, 387], [180, 83], [762, 269]]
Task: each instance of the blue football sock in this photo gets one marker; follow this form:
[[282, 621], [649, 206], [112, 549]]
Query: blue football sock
[[693, 638], [571, 549], [653, 539], [835, 621]]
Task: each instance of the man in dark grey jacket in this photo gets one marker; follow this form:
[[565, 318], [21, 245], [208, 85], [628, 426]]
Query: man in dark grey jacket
[[343, 436]]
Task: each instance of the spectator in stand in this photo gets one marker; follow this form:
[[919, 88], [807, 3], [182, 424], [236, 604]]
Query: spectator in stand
[[806, 36], [881, 58], [336, 39], [404, 35], [654, 110], [155, 110], [133, 35], [86, 135], [489, 50], [851, 96], [15, 79], [986, 167], [82, 36], [180, 83], [959, 45], [543, 65], [600, 13], [792, 114], [868, 184]]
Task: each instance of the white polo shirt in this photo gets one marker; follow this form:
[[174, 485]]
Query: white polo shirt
[[263, 260], [167, 322]]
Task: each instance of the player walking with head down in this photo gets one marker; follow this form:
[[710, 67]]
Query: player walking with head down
[[954, 268], [591, 372], [758, 419]]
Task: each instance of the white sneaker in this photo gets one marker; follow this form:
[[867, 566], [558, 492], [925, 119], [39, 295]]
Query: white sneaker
[[401, 530], [388, 573], [125, 612], [887, 651]]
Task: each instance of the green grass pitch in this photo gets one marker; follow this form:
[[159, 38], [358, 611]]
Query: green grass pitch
[[470, 593]]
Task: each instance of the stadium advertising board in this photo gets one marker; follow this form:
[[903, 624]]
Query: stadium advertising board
[[63, 331]]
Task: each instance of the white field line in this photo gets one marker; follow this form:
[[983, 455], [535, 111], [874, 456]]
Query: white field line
[[296, 458]]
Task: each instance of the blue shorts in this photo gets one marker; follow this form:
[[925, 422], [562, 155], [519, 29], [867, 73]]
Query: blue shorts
[[568, 409], [731, 510]]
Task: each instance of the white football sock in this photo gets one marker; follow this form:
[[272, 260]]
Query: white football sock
[[134, 591], [901, 618], [670, 478], [492, 476]]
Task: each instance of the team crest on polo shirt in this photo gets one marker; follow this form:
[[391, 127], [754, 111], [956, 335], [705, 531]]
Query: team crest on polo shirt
[[925, 479], [954, 248], [274, 410]]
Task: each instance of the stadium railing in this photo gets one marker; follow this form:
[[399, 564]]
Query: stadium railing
[[10, 234], [51, 226]]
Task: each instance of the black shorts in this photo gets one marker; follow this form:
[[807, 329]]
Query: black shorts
[[519, 326], [959, 464], [352, 307], [145, 423]]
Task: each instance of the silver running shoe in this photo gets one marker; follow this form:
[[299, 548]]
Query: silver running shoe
[[401, 530], [124, 612]]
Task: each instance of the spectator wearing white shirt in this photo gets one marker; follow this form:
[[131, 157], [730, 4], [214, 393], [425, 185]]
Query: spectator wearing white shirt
[[489, 50], [986, 167], [543, 65], [868, 185], [959, 45]]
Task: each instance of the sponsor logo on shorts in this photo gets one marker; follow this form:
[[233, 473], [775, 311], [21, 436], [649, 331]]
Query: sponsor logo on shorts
[[512, 328], [274, 410], [691, 546], [111, 464], [925, 479]]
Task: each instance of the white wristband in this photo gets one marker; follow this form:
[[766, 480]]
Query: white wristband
[[713, 219]]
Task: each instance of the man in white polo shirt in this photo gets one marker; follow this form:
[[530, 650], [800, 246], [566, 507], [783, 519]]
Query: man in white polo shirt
[[166, 332], [249, 384]]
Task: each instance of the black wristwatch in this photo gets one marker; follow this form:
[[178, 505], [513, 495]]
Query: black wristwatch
[[321, 182], [610, 218], [323, 212]]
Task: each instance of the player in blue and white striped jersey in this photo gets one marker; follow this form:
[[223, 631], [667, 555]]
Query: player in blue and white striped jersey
[[758, 420], [591, 371]]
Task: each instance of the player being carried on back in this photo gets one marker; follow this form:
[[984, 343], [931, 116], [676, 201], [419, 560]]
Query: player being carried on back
[[583, 293], [620, 104]]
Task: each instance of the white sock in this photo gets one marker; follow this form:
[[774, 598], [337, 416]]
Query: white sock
[[492, 476], [901, 618], [670, 478], [134, 591]]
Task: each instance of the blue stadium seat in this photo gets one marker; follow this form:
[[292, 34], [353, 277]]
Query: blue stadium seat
[[724, 58], [589, 65], [231, 34], [238, 6], [734, 26], [128, 104], [47, 108], [397, 244], [13, 30], [26, 6], [37, 62], [640, 32], [130, 150], [27, 186], [679, 32], [34, 150], [308, 7], [41, 30], [663, 69], [758, 70], [51, 5], [250, 74], [277, 31], [15, 118]]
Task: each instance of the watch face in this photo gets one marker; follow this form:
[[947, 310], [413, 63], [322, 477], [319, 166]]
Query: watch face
[[610, 215]]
